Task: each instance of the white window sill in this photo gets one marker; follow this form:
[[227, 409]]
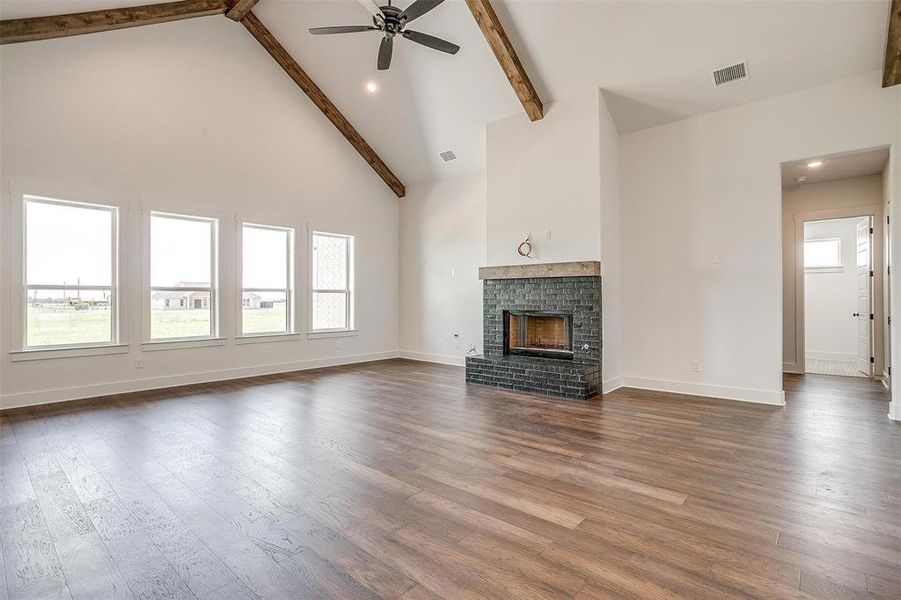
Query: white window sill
[[261, 338], [837, 269], [322, 335], [48, 353], [181, 344]]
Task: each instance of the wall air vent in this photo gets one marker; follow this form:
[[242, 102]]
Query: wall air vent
[[730, 74], [448, 156]]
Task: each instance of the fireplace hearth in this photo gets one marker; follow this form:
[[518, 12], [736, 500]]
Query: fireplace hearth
[[542, 329]]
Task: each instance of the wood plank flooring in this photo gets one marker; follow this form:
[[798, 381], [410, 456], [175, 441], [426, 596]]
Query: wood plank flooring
[[397, 480]]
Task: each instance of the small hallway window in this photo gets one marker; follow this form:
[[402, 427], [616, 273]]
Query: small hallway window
[[823, 253]]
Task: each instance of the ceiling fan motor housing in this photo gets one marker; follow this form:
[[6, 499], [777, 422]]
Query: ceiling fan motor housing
[[392, 21]]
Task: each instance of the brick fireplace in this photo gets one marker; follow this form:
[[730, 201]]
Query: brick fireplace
[[542, 329]]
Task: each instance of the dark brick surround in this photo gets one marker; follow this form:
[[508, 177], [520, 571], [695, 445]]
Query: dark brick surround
[[576, 378]]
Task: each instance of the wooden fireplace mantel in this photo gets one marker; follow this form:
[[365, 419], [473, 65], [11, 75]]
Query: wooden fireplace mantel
[[582, 268]]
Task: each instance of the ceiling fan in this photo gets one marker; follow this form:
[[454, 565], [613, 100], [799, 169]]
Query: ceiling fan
[[392, 21]]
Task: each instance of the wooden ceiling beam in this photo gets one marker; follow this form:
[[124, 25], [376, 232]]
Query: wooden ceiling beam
[[240, 8], [891, 71], [13, 31], [322, 102], [503, 50]]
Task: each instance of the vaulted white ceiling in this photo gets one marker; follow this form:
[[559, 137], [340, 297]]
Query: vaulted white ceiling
[[652, 58]]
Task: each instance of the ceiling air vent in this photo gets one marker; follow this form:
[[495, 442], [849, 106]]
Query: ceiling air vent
[[730, 74], [448, 156]]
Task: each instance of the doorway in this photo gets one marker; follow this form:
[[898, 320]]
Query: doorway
[[835, 272], [839, 310]]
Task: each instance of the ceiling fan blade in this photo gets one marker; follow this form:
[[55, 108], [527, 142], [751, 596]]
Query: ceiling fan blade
[[431, 41], [418, 8], [372, 7], [342, 29], [386, 49]]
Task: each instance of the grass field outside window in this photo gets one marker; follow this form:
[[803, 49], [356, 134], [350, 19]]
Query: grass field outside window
[[52, 326]]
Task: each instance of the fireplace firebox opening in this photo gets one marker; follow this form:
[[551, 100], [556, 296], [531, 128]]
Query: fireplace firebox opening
[[538, 333]]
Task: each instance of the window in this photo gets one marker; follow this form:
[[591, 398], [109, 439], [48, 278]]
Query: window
[[823, 253], [70, 274], [183, 277], [267, 266], [332, 275]]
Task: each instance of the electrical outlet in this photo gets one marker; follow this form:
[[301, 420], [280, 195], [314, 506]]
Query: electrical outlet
[[139, 363], [695, 366]]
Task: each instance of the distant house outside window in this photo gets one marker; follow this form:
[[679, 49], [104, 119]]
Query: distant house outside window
[[332, 282], [183, 277], [267, 280]]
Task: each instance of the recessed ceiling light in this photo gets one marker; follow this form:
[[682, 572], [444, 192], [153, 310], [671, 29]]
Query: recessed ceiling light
[[815, 163], [371, 87]]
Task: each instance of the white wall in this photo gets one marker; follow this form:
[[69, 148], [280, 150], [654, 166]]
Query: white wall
[[611, 249], [189, 113], [830, 296], [543, 181], [702, 276], [442, 246], [828, 199]]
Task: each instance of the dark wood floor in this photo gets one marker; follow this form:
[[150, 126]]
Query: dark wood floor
[[396, 480]]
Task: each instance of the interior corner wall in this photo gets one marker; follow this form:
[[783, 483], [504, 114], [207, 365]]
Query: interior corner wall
[[611, 248], [826, 196], [702, 250], [188, 113], [442, 246]]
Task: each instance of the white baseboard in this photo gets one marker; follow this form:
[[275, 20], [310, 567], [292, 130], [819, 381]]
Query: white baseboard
[[35, 398], [793, 368], [771, 397], [152, 383], [444, 359], [894, 411], [611, 384], [841, 356]]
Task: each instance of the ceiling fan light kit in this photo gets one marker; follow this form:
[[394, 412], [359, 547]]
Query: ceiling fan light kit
[[391, 21]]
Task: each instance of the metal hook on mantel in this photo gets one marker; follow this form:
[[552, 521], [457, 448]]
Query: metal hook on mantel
[[525, 248]]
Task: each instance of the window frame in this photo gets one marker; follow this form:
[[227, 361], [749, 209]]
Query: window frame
[[839, 266], [52, 350], [349, 290], [290, 291], [214, 290]]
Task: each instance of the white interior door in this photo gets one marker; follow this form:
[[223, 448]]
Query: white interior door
[[864, 297], [887, 303]]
